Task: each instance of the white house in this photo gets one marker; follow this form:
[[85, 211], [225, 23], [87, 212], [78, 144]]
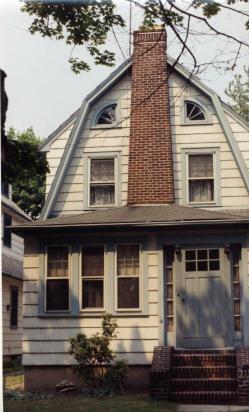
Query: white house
[[12, 276], [146, 217]]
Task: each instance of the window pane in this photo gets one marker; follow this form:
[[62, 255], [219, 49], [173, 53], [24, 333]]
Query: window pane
[[92, 294], [128, 260], [57, 261], [214, 265], [14, 307], [202, 265], [93, 261], [57, 294], [107, 115], [214, 254], [201, 190], [190, 254], [102, 195], [102, 170], [190, 266], [201, 165], [128, 293], [202, 254], [194, 112]]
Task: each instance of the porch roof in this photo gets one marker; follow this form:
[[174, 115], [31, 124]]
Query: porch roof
[[143, 216]]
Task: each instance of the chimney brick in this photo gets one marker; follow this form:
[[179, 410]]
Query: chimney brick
[[150, 178]]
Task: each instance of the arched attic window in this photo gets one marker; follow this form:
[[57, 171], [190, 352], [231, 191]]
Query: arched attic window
[[194, 112], [107, 116]]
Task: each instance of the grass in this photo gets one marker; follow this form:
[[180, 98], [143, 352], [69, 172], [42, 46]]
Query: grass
[[13, 380], [131, 403]]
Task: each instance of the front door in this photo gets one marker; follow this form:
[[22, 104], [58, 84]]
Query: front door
[[203, 299]]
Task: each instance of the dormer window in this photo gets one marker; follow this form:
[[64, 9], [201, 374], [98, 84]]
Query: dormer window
[[194, 112], [107, 116]]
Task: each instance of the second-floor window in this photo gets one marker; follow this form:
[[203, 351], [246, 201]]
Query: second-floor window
[[7, 221], [200, 179], [102, 182]]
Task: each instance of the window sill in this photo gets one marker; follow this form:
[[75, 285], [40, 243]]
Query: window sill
[[196, 123], [211, 204], [107, 126], [82, 315]]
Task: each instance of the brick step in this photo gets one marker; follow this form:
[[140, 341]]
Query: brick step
[[203, 360], [194, 372], [203, 384], [196, 397], [204, 352]]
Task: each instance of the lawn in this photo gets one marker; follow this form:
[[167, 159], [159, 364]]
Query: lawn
[[131, 403]]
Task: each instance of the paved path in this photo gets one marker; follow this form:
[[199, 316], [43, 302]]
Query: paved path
[[212, 408]]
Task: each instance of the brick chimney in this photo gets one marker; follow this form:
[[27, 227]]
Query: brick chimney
[[150, 153]]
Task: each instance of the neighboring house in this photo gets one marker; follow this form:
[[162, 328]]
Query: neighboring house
[[12, 276], [146, 217]]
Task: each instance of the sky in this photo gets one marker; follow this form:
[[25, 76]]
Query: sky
[[43, 91]]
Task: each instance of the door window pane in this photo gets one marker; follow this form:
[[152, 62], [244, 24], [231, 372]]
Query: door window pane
[[200, 260]]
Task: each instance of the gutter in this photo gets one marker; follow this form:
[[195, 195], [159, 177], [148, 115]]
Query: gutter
[[133, 224]]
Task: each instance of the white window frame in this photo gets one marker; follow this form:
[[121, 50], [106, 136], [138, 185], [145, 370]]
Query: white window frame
[[105, 286], [54, 278], [140, 279], [104, 156], [216, 175]]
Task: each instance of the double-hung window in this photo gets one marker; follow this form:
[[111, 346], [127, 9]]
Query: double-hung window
[[57, 278], [128, 275], [92, 277], [102, 182], [200, 178]]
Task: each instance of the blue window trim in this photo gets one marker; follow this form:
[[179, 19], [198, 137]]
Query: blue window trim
[[117, 166], [215, 151], [75, 299]]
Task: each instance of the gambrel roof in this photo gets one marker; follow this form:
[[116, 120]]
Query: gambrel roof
[[80, 116]]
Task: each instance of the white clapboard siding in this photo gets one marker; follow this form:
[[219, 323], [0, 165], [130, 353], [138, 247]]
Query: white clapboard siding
[[12, 338], [46, 340]]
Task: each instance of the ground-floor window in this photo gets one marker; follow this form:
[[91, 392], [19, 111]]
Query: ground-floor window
[[128, 276], [92, 277], [57, 278]]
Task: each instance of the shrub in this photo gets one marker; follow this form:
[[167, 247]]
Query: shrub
[[96, 360]]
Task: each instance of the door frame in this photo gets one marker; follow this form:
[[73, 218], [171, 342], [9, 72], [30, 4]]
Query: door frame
[[180, 276]]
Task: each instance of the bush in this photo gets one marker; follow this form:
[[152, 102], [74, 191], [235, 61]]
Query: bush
[[96, 360]]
